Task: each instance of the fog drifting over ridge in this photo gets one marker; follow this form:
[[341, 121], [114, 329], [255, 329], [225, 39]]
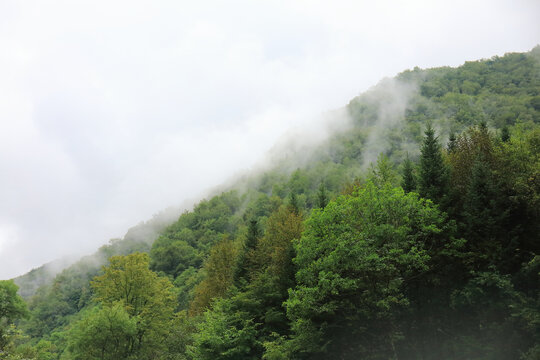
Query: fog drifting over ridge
[[113, 111]]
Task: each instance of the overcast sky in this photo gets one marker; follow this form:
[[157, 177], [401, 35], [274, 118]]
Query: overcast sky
[[111, 111]]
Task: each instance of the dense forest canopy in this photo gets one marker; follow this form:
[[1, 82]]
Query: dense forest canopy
[[411, 233]]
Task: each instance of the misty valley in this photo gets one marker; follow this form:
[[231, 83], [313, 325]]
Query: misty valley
[[411, 231]]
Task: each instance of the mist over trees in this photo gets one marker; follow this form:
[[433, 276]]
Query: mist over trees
[[412, 233]]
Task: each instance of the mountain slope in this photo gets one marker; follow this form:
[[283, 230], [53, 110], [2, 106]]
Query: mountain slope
[[389, 119]]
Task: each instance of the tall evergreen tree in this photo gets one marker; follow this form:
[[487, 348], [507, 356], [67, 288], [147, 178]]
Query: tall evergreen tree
[[293, 203], [253, 235], [433, 179], [408, 183], [451, 142], [322, 197], [382, 173], [245, 258], [480, 211]]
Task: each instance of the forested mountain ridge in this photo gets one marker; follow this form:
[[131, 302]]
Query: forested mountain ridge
[[411, 232], [138, 238]]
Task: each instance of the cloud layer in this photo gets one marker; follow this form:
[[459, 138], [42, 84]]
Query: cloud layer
[[113, 110]]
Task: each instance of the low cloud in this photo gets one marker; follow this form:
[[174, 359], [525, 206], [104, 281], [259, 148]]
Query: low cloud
[[112, 111]]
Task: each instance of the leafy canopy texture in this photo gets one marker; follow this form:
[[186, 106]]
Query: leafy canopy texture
[[135, 314], [225, 332], [128, 280], [12, 306], [380, 274], [354, 260], [219, 275], [104, 333]]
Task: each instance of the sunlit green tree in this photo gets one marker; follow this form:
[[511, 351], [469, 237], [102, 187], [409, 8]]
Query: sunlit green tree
[[354, 261], [134, 314]]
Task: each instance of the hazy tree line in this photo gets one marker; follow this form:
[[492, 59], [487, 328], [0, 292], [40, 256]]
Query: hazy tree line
[[429, 252]]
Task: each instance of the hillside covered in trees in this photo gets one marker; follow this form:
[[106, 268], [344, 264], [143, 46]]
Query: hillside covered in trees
[[410, 232]]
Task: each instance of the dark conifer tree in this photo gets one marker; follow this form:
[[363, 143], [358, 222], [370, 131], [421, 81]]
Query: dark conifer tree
[[433, 179], [505, 134], [451, 142], [408, 183], [245, 261], [293, 203], [322, 197], [481, 214], [253, 235]]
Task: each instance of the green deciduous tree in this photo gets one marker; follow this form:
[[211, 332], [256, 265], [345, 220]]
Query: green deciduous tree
[[219, 270], [226, 332], [174, 257], [12, 307], [354, 260], [141, 291], [136, 311], [105, 332]]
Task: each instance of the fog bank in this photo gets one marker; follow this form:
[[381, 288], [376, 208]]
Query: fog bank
[[113, 111]]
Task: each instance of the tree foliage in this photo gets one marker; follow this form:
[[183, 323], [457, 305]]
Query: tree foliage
[[408, 182], [219, 272], [135, 313], [12, 306], [433, 174], [354, 260], [381, 272]]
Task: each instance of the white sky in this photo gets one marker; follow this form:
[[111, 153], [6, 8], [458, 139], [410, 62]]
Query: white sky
[[111, 111]]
